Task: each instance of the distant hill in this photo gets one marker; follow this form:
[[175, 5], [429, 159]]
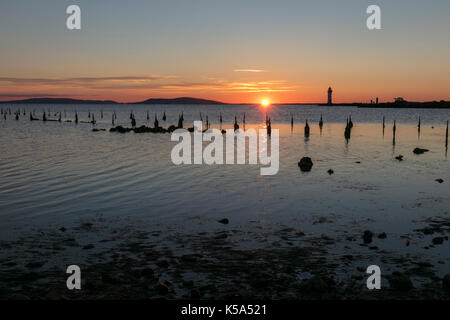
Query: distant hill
[[183, 100], [60, 101]]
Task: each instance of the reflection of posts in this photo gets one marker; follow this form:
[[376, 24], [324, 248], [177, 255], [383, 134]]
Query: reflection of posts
[[394, 131], [446, 136], [306, 129]]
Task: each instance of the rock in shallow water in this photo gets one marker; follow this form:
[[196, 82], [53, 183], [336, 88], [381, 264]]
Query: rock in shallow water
[[305, 164], [420, 151], [224, 221], [382, 235]]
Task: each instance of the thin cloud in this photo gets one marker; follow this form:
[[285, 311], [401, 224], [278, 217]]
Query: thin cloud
[[149, 84], [82, 80], [250, 70]]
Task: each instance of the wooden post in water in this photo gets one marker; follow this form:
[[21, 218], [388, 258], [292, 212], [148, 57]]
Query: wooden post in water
[[384, 124]]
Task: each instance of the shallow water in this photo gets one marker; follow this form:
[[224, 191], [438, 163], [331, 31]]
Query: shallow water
[[58, 173]]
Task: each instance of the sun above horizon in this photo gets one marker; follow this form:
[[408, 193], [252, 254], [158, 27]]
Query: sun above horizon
[[265, 103]]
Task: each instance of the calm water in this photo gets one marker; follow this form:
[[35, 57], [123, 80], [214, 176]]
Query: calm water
[[59, 173]]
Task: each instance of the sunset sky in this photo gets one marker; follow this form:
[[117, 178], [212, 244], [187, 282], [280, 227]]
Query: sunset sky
[[233, 51]]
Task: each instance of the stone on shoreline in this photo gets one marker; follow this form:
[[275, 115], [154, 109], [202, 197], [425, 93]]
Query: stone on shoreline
[[316, 285], [446, 283], [400, 282], [367, 236], [438, 240]]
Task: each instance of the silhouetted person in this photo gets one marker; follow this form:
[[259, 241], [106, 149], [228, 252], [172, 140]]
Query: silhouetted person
[[306, 129]]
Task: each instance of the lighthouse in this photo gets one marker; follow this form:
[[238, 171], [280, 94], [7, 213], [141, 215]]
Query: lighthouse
[[330, 96]]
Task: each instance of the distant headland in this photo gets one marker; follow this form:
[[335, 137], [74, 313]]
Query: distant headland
[[182, 100], [59, 101]]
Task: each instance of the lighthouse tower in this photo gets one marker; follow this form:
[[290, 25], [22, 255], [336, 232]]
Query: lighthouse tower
[[330, 96]]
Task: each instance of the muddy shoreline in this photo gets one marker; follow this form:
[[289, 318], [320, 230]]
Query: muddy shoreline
[[120, 261]]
